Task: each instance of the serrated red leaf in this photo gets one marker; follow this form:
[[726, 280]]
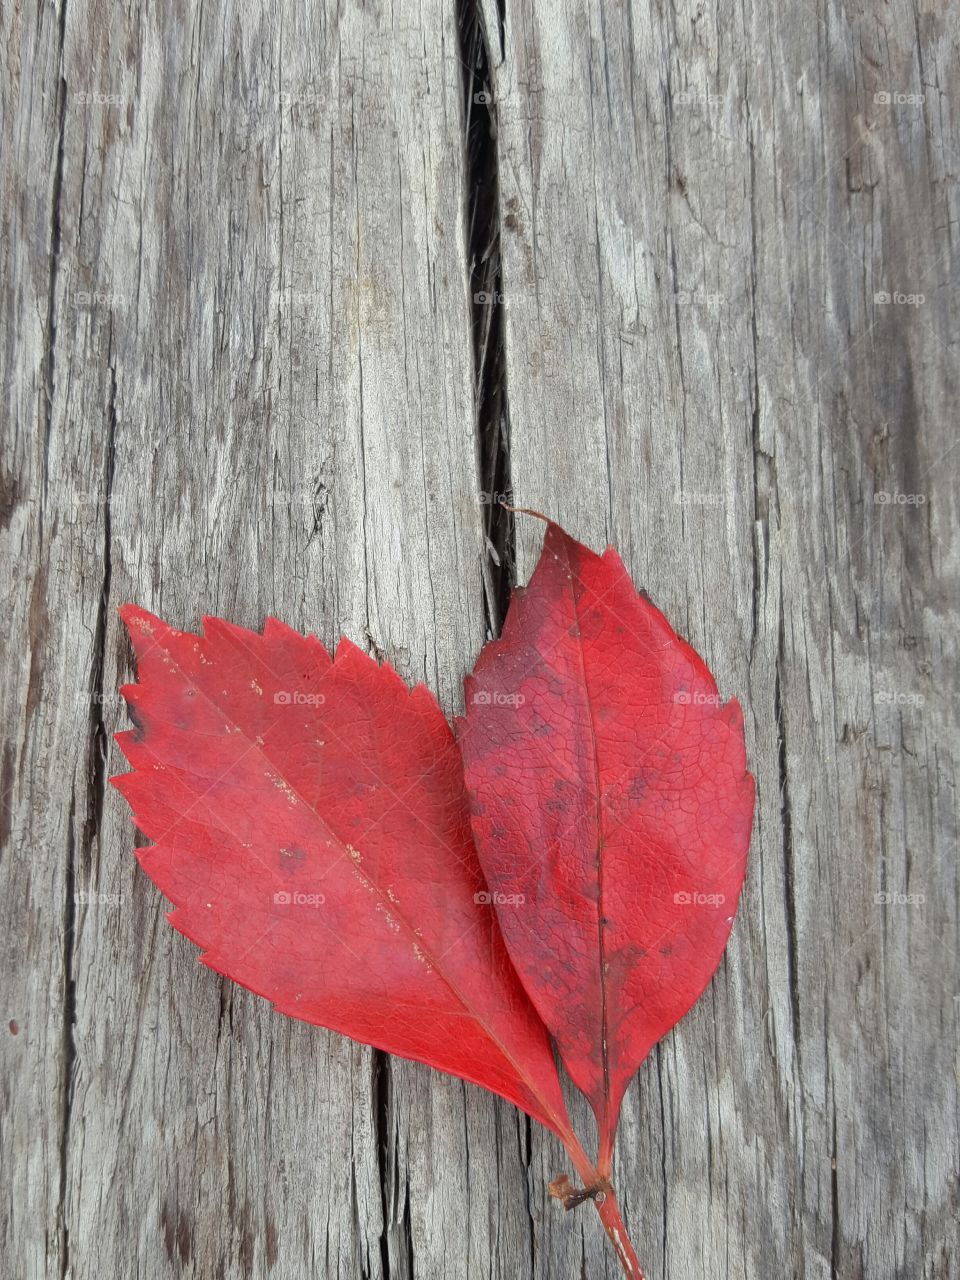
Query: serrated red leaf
[[611, 809], [310, 825]]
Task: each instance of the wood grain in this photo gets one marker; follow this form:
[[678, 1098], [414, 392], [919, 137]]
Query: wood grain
[[240, 352], [698, 212]]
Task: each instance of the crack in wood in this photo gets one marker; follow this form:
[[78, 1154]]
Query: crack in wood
[[68, 1047], [485, 282], [69, 1003], [97, 744], [50, 326], [381, 1129], [786, 824]]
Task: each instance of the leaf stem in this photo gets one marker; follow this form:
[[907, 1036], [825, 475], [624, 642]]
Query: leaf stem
[[596, 1181], [609, 1212]]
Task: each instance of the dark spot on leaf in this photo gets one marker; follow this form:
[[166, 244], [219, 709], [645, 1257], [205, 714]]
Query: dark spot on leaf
[[291, 856]]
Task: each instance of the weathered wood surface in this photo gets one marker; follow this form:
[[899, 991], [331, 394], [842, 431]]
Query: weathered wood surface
[[239, 350]]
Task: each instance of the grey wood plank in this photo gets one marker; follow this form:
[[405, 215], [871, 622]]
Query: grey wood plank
[[260, 402], [39, 704], [698, 209]]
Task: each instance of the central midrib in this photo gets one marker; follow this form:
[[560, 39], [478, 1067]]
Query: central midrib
[[601, 946]]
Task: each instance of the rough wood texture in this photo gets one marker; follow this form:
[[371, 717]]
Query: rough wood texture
[[698, 212], [239, 357]]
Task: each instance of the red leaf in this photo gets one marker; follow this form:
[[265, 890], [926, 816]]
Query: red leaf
[[612, 810], [311, 828]]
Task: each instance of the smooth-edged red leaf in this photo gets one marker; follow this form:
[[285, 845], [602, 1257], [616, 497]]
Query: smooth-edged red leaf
[[311, 827], [612, 811]]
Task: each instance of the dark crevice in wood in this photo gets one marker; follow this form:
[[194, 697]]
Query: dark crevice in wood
[[834, 1206], [50, 329], [68, 1047], [664, 1133], [761, 502], [527, 1158], [98, 737], [366, 1261], [381, 1123], [786, 827], [407, 1234], [502, 27], [81, 859], [396, 1237], [485, 282]]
